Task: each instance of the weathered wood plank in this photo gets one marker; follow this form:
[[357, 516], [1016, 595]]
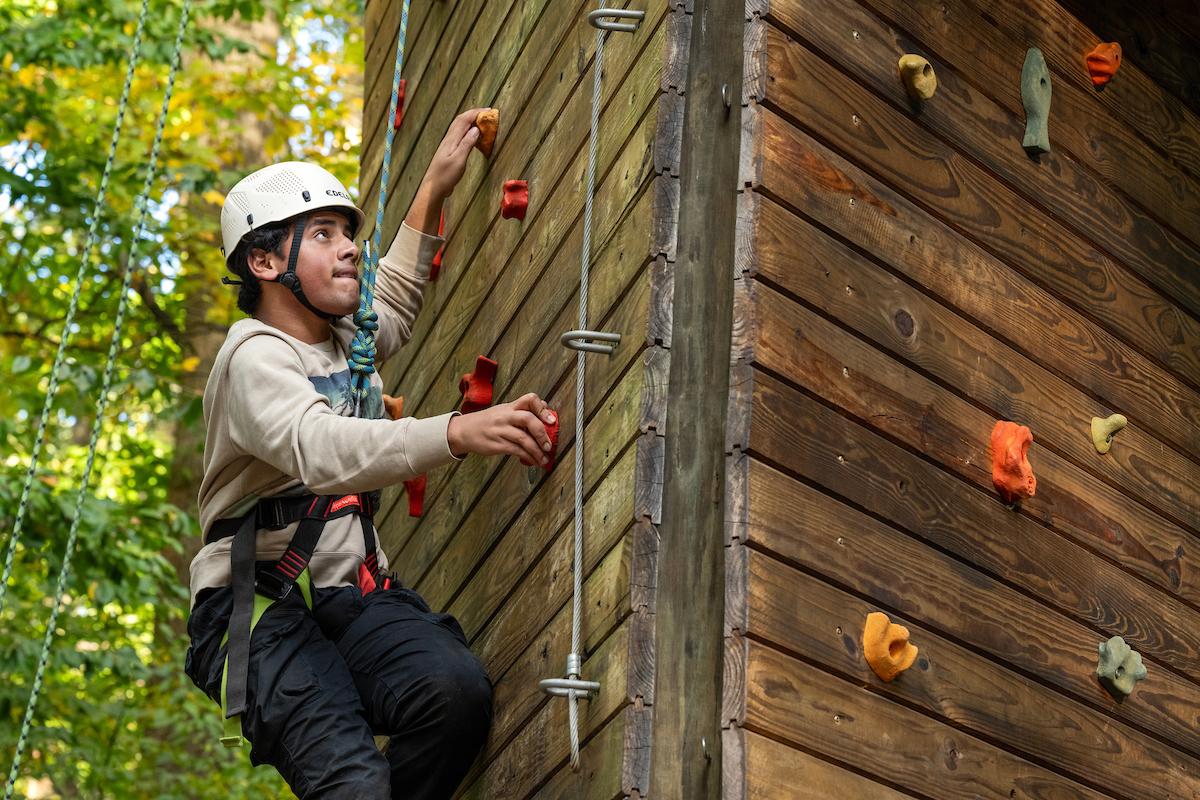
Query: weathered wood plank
[[520, 251], [426, 23], [1079, 126], [958, 687], [978, 126], [958, 601], [795, 431], [973, 202], [685, 758], [610, 430], [475, 31], [543, 744], [488, 297], [775, 771], [996, 39], [1161, 36], [607, 513], [1135, 99], [805, 175], [530, 356], [599, 775], [922, 332], [949, 431], [791, 700]]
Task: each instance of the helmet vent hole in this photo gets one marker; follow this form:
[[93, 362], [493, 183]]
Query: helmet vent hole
[[249, 219], [307, 196]]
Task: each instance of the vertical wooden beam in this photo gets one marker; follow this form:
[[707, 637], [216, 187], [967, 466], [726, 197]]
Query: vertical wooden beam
[[686, 748]]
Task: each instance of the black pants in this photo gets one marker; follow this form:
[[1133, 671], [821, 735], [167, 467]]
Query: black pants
[[321, 683]]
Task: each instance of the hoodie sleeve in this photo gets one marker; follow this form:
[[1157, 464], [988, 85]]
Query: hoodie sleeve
[[399, 285], [278, 416]]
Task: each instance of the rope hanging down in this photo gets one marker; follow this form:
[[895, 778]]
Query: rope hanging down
[[573, 686], [141, 205], [89, 242], [362, 350]]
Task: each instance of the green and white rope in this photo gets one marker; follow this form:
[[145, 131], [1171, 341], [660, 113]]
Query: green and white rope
[[64, 572], [89, 242]]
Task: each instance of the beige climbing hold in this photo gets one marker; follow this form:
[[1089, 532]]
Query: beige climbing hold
[[918, 77], [1103, 431], [886, 646]]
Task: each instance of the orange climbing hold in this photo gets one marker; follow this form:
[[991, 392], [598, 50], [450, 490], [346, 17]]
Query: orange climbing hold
[[393, 406], [399, 106], [415, 488], [1011, 472], [476, 387], [886, 646], [1103, 62], [488, 122], [516, 199], [436, 266]]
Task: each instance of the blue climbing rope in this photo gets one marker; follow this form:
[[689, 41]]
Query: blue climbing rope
[[362, 350]]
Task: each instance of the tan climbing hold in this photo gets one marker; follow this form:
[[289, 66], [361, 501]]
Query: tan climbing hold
[[918, 77], [393, 406], [488, 122], [1103, 431], [886, 646]]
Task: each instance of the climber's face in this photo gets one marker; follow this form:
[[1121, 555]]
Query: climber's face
[[328, 263]]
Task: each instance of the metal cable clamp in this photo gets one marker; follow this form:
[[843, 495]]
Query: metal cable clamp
[[596, 19], [572, 684], [582, 340]]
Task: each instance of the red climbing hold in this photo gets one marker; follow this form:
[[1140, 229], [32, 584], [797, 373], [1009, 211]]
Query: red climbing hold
[[476, 387], [552, 432], [415, 488], [399, 107], [516, 199], [1011, 472], [436, 266], [1103, 62]]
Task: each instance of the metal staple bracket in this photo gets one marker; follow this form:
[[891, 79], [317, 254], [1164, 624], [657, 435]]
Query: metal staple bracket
[[582, 340], [596, 19]]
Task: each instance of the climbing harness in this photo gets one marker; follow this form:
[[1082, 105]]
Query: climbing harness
[[256, 590], [142, 206], [583, 341]]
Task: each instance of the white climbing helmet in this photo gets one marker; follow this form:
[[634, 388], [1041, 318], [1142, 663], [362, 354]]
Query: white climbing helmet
[[278, 192]]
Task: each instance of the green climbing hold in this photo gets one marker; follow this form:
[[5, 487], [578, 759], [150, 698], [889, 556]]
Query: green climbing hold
[[1035, 95], [1120, 667]]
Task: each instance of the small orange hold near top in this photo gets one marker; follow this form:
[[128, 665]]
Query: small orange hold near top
[[393, 406], [515, 201], [886, 646], [488, 122], [1103, 62], [1011, 472]]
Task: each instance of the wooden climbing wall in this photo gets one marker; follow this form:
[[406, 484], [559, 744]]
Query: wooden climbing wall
[[494, 543], [907, 278]]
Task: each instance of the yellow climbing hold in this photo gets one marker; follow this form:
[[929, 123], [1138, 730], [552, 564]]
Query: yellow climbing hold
[[1104, 429], [886, 646], [917, 74]]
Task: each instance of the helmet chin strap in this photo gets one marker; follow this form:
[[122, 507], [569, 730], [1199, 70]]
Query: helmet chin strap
[[292, 281]]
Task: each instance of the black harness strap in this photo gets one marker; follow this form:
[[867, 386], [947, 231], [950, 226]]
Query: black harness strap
[[313, 512]]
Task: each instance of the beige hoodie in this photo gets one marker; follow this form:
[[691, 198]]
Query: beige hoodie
[[279, 422]]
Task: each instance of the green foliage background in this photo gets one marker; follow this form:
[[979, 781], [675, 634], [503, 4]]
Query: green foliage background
[[261, 82]]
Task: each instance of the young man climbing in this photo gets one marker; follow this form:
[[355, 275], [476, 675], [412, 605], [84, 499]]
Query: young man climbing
[[295, 628]]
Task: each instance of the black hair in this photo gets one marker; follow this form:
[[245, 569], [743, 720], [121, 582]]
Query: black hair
[[269, 237]]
